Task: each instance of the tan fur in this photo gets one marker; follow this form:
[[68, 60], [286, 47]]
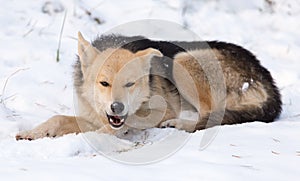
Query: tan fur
[[109, 66], [205, 79], [253, 97], [55, 126]]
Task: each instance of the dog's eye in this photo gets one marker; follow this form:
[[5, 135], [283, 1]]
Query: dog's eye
[[104, 84], [129, 84]]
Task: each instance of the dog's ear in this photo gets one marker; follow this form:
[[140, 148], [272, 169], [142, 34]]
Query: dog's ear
[[145, 57], [86, 52], [149, 53]]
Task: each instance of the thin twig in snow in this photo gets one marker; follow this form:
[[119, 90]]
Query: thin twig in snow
[[276, 140], [46, 108], [6, 81], [275, 153], [30, 30], [236, 156], [60, 36], [11, 113]]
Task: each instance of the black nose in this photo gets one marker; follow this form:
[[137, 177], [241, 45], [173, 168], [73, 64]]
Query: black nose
[[117, 107]]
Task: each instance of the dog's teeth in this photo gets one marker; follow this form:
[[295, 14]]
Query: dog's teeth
[[110, 120]]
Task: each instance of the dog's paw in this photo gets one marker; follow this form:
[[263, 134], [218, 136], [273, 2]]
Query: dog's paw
[[172, 123], [55, 126], [181, 124], [33, 134]]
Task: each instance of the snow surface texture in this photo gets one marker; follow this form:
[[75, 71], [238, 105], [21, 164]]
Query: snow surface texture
[[33, 87]]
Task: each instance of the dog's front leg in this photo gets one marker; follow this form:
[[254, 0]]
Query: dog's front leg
[[55, 126]]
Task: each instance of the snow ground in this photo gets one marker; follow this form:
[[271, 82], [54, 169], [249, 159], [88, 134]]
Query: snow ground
[[33, 87]]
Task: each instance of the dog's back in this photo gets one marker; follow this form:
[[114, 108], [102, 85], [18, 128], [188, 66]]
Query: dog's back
[[251, 93]]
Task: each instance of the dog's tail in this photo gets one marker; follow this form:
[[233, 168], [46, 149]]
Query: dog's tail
[[267, 111]]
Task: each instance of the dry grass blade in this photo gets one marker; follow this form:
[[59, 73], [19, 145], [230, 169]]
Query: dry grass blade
[[275, 153], [6, 82], [60, 36], [236, 156]]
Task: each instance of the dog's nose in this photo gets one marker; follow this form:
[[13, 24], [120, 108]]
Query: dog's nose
[[117, 107]]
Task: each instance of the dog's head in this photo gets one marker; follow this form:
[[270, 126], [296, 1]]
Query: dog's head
[[115, 81]]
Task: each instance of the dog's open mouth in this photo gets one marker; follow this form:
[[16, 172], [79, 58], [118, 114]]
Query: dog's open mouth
[[116, 121]]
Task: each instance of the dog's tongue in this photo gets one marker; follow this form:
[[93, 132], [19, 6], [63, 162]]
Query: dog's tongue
[[116, 120], [117, 117]]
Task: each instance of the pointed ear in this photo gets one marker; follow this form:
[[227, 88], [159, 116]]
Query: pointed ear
[[149, 53], [146, 56], [87, 53]]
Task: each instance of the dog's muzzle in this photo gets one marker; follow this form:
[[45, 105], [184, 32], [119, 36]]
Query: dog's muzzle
[[116, 121]]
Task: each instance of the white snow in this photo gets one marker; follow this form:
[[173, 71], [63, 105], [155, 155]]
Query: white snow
[[33, 87], [245, 86]]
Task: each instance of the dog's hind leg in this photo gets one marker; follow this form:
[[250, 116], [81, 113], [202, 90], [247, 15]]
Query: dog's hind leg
[[55, 126]]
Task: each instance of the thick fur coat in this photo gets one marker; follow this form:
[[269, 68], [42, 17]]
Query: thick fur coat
[[126, 83]]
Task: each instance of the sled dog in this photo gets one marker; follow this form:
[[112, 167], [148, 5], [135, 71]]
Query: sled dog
[[128, 83]]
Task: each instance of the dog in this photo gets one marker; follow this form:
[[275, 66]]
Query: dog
[[133, 83]]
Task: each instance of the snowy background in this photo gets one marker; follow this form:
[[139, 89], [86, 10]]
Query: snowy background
[[33, 87]]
